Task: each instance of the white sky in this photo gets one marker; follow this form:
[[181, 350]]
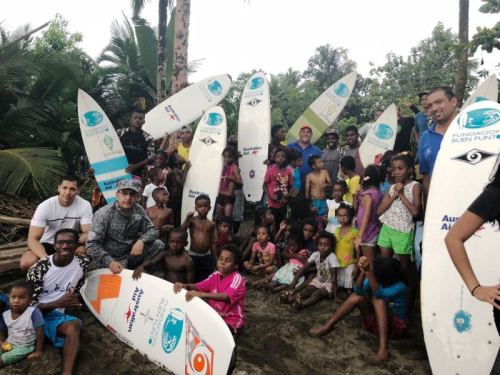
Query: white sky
[[236, 36]]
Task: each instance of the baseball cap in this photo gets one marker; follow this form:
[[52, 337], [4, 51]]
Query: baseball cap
[[420, 94], [188, 128], [134, 185], [333, 132], [306, 127]]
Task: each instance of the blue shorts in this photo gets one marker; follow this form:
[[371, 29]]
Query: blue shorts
[[53, 320], [321, 206]]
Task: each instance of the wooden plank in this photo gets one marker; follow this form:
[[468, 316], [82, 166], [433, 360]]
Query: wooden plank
[[14, 220], [10, 256]]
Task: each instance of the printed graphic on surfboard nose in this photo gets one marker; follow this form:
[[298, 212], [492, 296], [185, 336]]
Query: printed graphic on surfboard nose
[[384, 131], [214, 119], [215, 87], [172, 330], [256, 83], [92, 118], [341, 90], [479, 118]]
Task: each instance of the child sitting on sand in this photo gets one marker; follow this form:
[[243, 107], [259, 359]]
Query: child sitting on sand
[[225, 289], [161, 216], [345, 250], [22, 328], [263, 254], [281, 239], [385, 313], [285, 275], [262, 216]]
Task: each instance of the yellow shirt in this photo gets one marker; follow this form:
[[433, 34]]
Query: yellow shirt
[[184, 152], [352, 187], [345, 247]]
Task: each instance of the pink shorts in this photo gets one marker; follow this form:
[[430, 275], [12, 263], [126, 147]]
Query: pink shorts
[[318, 284], [396, 328]]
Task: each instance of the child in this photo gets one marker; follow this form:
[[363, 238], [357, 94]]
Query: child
[[223, 236], [309, 229], [385, 313], [176, 162], [316, 183], [348, 167], [281, 238], [179, 266], [229, 179], [263, 254], [386, 171], [277, 184], [262, 216], [161, 216], [314, 214], [339, 189], [324, 285], [345, 251], [157, 178], [295, 158], [202, 232], [24, 326], [161, 161], [366, 201], [225, 289], [401, 204]]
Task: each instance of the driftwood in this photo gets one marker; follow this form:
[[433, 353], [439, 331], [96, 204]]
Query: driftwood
[[14, 220], [10, 256]]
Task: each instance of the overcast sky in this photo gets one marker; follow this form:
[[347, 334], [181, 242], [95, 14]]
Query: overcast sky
[[235, 36]]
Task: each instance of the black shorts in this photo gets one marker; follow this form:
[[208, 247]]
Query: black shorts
[[49, 248], [225, 200]]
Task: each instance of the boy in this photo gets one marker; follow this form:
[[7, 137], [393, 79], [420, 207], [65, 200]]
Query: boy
[[23, 324], [224, 289], [203, 250], [161, 216], [179, 267], [157, 178], [348, 168], [316, 183], [223, 236], [331, 155]]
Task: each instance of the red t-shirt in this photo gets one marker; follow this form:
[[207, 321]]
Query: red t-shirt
[[277, 184]]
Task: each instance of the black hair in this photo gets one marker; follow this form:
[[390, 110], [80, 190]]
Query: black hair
[[333, 134], [347, 207], [448, 92], [341, 183], [138, 110], [163, 154], [258, 215], [66, 230], [279, 149], [70, 178], [274, 129], [153, 173], [348, 162], [351, 128], [311, 222], [386, 158], [202, 197], [158, 191], [179, 231], [266, 228], [295, 237], [405, 158], [172, 160], [312, 160], [232, 152], [302, 209], [24, 284], [328, 235], [371, 176], [294, 155], [238, 256], [387, 271], [226, 220], [495, 180]]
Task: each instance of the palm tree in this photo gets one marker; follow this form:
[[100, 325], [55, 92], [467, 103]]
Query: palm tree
[[463, 52], [180, 71]]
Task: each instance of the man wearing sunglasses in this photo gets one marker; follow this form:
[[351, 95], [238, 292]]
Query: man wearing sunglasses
[[122, 235]]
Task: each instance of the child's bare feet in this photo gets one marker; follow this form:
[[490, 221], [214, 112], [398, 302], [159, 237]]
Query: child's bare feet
[[285, 296], [380, 357], [317, 332], [249, 282], [298, 303]]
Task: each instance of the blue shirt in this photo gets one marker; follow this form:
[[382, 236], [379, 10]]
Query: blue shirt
[[394, 296], [307, 152], [429, 145], [421, 123], [296, 178]]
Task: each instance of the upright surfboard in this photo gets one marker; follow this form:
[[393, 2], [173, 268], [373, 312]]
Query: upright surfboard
[[186, 106], [206, 159], [380, 137], [254, 131], [488, 90], [146, 314], [324, 110], [459, 331], [102, 145]]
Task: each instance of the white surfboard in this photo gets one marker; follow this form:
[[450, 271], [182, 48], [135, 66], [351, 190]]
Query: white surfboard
[[254, 132], [488, 90], [102, 145], [380, 137], [186, 106], [206, 159], [324, 110], [183, 337], [460, 333]]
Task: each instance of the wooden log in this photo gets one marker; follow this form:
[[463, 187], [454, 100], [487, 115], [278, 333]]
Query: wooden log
[[10, 256], [14, 220]]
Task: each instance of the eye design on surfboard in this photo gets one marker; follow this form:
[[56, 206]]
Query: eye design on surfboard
[[474, 156]]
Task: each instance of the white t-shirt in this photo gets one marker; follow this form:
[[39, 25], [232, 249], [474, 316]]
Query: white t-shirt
[[365, 128], [148, 192], [333, 222], [323, 274], [52, 216]]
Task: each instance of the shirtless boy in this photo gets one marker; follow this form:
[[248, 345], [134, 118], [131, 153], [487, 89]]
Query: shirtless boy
[[316, 183], [179, 267], [203, 250], [161, 216]]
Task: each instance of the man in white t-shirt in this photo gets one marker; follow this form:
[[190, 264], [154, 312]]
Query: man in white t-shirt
[[66, 210]]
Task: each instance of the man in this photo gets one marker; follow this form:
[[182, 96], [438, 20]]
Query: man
[[138, 145], [405, 126], [112, 237], [442, 106], [352, 147], [331, 155], [366, 127], [304, 146], [66, 210], [55, 281], [422, 120]]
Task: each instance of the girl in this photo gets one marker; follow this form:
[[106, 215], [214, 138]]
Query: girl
[[161, 161], [157, 178], [386, 171], [176, 162], [339, 189], [263, 254], [262, 216], [366, 202], [345, 251], [400, 206], [282, 238], [325, 282], [385, 313], [229, 179]]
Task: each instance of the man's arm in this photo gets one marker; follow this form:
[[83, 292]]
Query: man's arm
[[34, 236], [97, 237], [85, 233], [426, 183]]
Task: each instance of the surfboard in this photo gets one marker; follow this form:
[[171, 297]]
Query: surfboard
[[324, 110], [380, 137], [254, 132], [146, 314], [206, 160], [459, 331], [488, 90], [186, 106], [102, 145]]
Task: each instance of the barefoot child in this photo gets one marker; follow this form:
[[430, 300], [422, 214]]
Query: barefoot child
[[229, 179], [295, 158], [157, 178], [225, 289], [324, 285], [348, 168], [202, 232], [345, 250], [385, 313], [316, 183], [282, 238], [22, 329], [223, 235], [263, 254], [262, 216], [179, 266], [176, 163], [339, 189], [161, 216]]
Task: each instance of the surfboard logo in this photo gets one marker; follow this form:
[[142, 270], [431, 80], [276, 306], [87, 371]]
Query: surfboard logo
[[172, 330], [255, 83], [383, 131], [341, 90], [208, 141], [199, 355], [479, 118], [215, 87], [462, 321], [92, 118], [254, 102], [474, 156], [214, 119], [252, 173], [108, 141]]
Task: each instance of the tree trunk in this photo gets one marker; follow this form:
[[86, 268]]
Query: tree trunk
[[463, 52], [180, 71], [161, 89]]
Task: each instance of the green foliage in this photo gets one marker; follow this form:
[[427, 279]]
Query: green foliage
[[148, 48], [58, 38], [486, 38], [490, 6]]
